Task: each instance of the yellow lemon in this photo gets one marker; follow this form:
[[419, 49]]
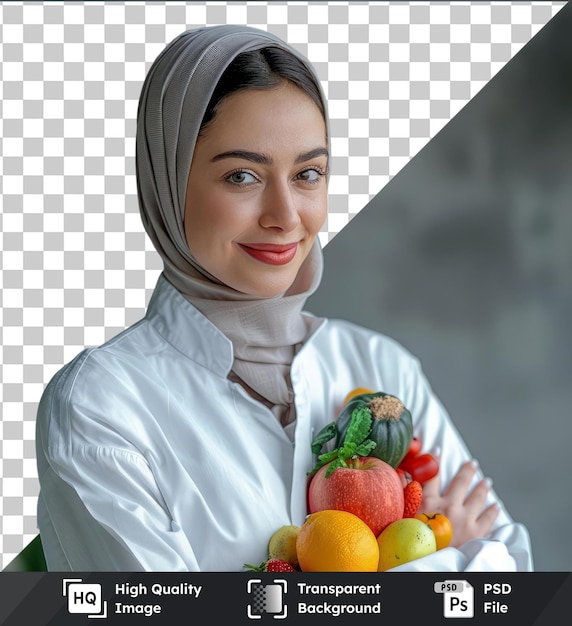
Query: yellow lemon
[[282, 544], [403, 541]]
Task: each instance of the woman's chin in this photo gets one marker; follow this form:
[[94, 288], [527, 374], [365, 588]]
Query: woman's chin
[[264, 284], [261, 280], [262, 290]]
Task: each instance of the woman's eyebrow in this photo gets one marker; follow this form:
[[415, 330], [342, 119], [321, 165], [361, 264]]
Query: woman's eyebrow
[[257, 157], [312, 154]]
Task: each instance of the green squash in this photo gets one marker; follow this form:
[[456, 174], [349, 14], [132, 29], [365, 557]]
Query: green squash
[[392, 427]]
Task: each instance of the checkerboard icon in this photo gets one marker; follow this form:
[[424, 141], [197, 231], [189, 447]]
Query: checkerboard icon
[[267, 599]]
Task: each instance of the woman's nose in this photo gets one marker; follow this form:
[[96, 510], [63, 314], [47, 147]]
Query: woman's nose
[[280, 208]]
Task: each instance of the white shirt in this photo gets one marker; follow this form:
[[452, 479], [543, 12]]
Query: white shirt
[[149, 458]]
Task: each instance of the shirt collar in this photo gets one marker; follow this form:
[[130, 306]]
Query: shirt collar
[[191, 333], [187, 329]]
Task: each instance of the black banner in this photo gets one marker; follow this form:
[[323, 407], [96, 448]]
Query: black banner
[[41, 599]]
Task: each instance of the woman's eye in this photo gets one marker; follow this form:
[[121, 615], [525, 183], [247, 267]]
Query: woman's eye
[[241, 177], [310, 175]]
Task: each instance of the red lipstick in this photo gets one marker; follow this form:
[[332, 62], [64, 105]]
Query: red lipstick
[[270, 253]]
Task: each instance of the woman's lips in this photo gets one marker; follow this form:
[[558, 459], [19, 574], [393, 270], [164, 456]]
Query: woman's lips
[[270, 253]]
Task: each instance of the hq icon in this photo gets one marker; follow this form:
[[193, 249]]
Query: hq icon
[[84, 598]]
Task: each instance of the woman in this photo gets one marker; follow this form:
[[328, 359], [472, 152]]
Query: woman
[[183, 443]]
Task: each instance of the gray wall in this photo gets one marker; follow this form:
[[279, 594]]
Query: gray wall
[[465, 257]]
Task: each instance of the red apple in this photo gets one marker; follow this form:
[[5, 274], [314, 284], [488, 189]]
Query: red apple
[[369, 488]]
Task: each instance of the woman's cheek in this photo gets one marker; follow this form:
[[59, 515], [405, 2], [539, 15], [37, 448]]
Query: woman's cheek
[[313, 210], [320, 216]]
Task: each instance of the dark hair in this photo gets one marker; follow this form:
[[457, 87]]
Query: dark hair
[[262, 69]]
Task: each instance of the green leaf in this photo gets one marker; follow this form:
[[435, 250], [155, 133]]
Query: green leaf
[[328, 456], [254, 568], [347, 451], [328, 432], [365, 448], [334, 466], [359, 426], [324, 459], [356, 442]]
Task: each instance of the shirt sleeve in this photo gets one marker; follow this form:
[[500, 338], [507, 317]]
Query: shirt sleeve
[[101, 507], [102, 511], [507, 547]]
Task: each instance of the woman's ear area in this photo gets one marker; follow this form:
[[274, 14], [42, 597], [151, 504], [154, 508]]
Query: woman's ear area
[[188, 191]]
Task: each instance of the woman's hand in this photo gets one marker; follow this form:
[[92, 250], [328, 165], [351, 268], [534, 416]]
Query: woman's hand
[[464, 507]]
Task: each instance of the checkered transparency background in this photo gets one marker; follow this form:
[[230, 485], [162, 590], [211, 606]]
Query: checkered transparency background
[[76, 267]]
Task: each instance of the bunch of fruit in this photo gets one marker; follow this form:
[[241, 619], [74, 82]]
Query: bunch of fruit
[[364, 496]]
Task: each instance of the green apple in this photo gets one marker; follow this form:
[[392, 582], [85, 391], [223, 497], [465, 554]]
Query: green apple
[[403, 541]]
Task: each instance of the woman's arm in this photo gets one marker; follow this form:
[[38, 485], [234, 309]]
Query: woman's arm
[[485, 536], [102, 511]]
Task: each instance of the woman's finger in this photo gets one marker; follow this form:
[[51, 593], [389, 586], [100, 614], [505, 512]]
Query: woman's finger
[[487, 518], [475, 501], [459, 486], [431, 494], [433, 485]]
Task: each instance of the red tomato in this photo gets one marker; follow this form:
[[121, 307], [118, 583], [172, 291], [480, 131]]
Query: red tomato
[[413, 450], [422, 467]]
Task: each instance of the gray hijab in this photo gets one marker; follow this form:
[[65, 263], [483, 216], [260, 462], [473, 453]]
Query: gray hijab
[[265, 332]]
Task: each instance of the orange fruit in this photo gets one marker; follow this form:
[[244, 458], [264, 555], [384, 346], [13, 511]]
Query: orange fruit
[[440, 525], [356, 392], [336, 541]]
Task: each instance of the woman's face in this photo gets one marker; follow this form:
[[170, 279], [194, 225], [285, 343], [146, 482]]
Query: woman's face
[[257, 189]]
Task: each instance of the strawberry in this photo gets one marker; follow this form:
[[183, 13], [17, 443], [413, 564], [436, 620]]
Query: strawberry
[[413, 493], [272, 565], [278, 565]]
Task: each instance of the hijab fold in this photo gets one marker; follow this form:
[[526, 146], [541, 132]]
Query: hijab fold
[[265, 332]]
